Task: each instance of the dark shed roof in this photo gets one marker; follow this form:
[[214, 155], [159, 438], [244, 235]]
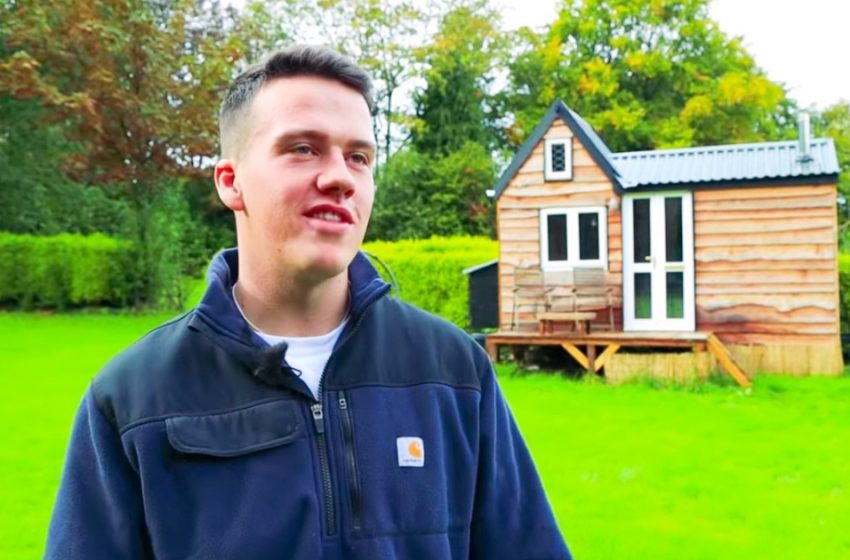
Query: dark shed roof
[[738, 164], [481, 266]]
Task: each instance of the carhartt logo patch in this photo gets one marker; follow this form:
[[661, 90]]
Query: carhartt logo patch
[[411, 452]]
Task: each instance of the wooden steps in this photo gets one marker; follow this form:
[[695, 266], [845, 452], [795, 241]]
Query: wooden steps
[[725, 359]]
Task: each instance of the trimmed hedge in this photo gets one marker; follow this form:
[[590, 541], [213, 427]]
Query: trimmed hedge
[[844, 290], [67, 270], [429, 272]]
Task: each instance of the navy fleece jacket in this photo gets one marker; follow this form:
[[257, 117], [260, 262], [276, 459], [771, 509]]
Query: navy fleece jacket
[[198, 442]]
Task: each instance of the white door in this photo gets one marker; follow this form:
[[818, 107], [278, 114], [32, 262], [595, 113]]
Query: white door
[[658, 262]]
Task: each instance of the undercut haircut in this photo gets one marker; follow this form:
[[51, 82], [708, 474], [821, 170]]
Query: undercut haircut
[[297, 60]]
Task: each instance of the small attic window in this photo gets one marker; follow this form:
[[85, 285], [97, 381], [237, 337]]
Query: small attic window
[[558, 158]]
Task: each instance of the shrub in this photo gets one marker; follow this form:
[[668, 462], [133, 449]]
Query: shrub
[[844, 290], [67, 270], [430, 272]]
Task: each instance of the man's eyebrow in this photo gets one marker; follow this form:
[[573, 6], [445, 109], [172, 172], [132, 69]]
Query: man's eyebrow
[[315, 135]]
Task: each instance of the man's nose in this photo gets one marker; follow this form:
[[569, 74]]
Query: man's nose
[[335, 176]]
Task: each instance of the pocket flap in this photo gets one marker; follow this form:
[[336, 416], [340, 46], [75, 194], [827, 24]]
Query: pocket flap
[[235, 433]]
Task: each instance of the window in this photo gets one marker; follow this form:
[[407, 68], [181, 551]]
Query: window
[[573, 237], [558, 159]]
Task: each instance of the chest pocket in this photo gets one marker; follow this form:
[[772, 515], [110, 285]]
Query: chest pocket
[[235, 433], [236, 484]]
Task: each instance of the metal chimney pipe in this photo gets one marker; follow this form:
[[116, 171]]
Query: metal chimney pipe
[[804, 137]]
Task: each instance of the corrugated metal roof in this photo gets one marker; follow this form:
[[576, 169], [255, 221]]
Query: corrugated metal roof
[[740, 164], [732, 162]]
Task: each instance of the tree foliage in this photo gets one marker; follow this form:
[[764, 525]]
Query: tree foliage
[[646, 74], [35, 196], [383, 38], [437, 184], [420, 195], [134, 86], [834, 122], [108, 108], [136, 83], [452, 109]]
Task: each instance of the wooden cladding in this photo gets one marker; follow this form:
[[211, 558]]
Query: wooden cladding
[[766, 268], [518, 214]]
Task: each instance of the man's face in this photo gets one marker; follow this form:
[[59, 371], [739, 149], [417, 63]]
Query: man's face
[[302, 187]]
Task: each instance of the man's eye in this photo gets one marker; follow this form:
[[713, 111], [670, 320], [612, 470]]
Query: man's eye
[[302, 149], [359, 158]]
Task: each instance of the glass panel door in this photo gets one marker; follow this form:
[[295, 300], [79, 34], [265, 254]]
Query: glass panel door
[[658, 270]]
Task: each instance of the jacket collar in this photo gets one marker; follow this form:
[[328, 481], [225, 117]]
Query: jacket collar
[[217, 305], [218, 317]]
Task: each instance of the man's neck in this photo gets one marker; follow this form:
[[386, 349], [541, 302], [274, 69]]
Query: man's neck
[[291, 308]]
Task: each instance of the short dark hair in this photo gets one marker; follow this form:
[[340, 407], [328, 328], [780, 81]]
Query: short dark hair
[[296, 60]]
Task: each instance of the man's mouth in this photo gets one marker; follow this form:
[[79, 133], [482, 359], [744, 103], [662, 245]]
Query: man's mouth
[[329, 216], [329, 213]]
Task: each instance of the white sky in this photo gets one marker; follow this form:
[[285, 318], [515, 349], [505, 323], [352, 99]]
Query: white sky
[[804, 45]]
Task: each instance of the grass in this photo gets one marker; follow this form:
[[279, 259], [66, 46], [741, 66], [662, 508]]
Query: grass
[[700, 473], [47, 364], [634, 471]]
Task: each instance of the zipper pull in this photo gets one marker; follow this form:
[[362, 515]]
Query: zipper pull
[[343, 404], [318, 417]]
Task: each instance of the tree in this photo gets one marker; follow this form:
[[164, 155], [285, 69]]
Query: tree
[[419, 196], [35, 196], [452, 108], [646, 74], [382, 37], [135, 86], [436, 185], [834, 122]]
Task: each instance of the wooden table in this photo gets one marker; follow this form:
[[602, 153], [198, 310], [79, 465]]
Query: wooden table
[[580, 318]]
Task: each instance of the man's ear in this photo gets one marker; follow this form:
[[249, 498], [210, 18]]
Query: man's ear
[[227, 186]]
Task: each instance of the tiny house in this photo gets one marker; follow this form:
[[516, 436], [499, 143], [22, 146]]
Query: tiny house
[[739, 241]]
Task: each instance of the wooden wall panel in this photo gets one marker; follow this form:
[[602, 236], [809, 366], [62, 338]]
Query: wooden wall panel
[[733, 214], [729, 196], [766, 269], [819, 200], [559, 129], [759, 265], [536, 187], [764, 314], [765, 227], [518, 213]]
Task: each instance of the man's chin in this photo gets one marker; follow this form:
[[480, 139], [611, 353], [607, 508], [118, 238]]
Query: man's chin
[[326, 266]]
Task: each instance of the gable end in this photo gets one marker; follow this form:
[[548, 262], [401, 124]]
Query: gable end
[[583, 132]]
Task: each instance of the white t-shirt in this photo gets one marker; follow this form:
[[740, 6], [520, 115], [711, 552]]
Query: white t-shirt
[[308, 354]]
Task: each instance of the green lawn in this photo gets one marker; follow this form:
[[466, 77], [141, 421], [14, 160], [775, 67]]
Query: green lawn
[[632, 471]]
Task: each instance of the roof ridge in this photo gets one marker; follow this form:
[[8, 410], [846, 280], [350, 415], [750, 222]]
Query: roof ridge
[[724, 148]]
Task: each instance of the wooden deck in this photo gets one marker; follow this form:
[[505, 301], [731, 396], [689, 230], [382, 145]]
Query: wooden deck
[[592, 350]]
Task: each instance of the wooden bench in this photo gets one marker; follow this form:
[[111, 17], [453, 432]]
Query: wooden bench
[[552, 297]]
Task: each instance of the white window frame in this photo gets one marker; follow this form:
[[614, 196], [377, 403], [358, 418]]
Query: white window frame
[[550, 174], [572, 213]]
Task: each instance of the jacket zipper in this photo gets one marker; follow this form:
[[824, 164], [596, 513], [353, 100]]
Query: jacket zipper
[[351, 460], [327, 486], [322, 443]]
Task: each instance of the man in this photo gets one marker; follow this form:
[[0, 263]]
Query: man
[[298, 411]]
